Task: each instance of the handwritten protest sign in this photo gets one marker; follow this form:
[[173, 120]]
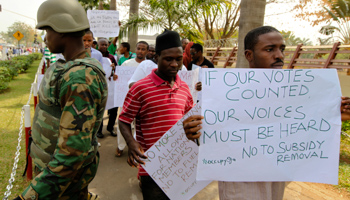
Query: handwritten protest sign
[[104, 23], [191, 78], [270, 125], [120, 87], [106, 64], [172, 162]]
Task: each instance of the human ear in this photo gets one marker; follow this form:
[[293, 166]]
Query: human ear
[[248, 55]]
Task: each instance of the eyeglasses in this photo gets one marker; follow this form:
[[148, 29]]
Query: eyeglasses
[[193, 53]]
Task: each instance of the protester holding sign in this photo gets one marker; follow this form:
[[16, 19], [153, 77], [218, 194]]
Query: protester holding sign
[[264, 48], [141, 52], [113, 112], [157, 102], [112, 48]]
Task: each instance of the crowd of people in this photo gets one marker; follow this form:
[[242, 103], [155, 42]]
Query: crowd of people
[[72, 98], [10, 52]]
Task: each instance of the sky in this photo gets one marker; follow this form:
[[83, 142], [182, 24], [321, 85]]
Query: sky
[[26, 12]]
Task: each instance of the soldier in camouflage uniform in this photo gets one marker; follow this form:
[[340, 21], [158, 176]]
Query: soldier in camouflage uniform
[[72, 99]]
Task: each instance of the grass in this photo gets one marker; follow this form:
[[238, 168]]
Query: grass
[[11, 103], [344, 162]]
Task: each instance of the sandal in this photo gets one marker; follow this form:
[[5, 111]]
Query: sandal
[[118, 152]]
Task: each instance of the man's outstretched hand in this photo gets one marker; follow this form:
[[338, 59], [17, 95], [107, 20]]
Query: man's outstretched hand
[[192, 125]]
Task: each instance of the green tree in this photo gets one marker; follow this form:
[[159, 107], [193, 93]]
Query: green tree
[[193, 19], [339, 11], [93, 4], [292, 40], [27, 31]]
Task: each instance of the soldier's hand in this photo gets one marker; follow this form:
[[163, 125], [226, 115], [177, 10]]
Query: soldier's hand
[[135, 153], [192, 125]]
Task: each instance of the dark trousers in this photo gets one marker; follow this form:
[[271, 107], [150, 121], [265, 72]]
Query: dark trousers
[[113, 112], [150, 189]]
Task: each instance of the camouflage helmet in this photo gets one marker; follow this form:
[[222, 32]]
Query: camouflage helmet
[[63, 16]]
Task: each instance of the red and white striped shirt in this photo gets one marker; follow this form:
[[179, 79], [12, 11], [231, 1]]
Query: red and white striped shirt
[[156, 107]]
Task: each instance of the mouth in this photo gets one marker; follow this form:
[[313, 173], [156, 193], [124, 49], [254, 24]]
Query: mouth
[[277, 65]]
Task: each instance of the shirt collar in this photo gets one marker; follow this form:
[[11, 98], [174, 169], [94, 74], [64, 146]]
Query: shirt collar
[[81, 55], [159, 81]]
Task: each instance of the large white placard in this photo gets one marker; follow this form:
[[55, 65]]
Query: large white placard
[[104, 23], [121, 86], [270, 125], [191, 78], [172, 162]]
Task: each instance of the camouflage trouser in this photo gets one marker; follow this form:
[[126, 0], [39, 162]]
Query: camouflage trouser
[[78, 188]]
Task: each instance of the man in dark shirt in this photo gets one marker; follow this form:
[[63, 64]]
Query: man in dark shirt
[[196, 52]]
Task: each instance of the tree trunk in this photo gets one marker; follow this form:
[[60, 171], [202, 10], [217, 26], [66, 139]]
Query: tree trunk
[[113, 5], [100, 5], [133, 35], [252, 16]]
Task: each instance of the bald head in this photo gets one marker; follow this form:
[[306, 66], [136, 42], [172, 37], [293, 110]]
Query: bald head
[[102, 45]]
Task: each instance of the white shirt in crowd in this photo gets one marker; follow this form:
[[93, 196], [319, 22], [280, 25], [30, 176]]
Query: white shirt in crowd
[[145, 68], [131, 63], [96, 54]]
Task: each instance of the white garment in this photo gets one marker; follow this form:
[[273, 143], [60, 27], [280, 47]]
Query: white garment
[[251, 190], [60, 56], [131, 63], [96, 54], [120, 138], [145, 68]]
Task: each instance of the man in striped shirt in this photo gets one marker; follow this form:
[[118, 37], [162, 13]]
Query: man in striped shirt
[[157, 102]]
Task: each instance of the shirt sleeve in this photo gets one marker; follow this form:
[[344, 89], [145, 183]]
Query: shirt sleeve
[[131, 106], [111, 49], [138, 74], [79, 103]]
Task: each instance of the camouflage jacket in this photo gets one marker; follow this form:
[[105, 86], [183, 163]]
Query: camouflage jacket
[[72, 99]]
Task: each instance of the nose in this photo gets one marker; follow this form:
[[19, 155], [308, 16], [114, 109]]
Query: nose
[[174, 63], [279, 54]]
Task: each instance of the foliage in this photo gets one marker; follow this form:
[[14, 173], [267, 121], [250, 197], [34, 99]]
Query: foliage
[[11, 68], [339, 11], [292, 40], [11, 103], [5, 78], [344, 161], [312, 11], [193, 19], [325, 41], [346, 126], [27, 31], [93, 4]]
